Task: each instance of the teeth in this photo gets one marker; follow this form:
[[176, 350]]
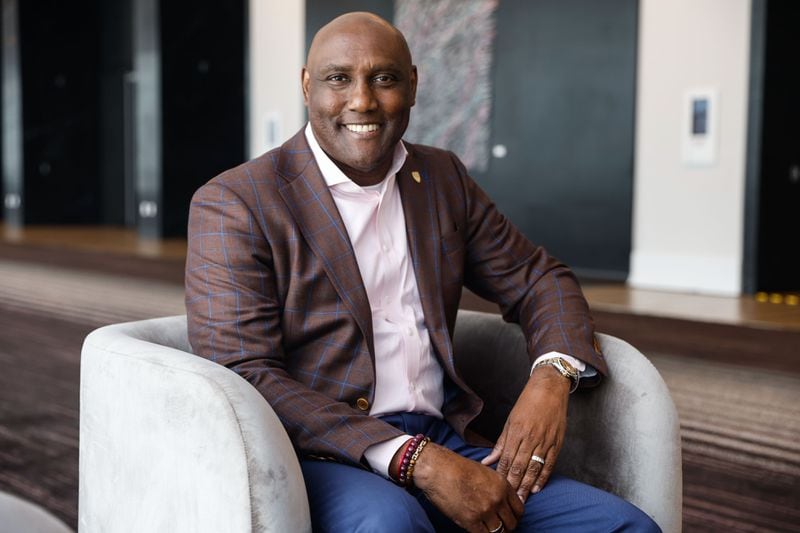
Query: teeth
[[361, 128]]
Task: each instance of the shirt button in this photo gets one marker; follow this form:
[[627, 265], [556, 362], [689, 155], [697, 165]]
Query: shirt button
[[410, 332], [362, 403], [385, 247]]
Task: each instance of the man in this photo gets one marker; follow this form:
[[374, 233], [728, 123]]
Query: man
[[328, 273]]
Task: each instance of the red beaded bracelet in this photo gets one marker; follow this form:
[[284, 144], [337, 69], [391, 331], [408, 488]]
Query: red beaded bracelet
[[413, 462], [409, 443], [409, 458]]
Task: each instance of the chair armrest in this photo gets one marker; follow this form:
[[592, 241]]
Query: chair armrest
[[172, 442], [622, 436], [17, 514]]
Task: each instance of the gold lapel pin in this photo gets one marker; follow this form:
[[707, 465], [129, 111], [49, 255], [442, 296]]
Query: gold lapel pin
[[416, 176]]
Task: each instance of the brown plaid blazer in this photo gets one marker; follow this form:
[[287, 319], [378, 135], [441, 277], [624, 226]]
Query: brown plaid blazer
[[273, 290]]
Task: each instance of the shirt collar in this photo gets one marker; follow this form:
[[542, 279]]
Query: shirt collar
[[333, 175]]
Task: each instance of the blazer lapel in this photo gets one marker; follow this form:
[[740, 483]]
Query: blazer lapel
[[307, 196], [418, 196]]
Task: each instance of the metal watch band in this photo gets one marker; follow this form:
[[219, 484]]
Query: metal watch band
[[564, 368]]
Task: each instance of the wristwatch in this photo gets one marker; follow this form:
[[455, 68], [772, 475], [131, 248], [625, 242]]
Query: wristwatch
[[564, 368]]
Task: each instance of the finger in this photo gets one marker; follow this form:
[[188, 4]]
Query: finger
[[476, 527], [516, 506], [507, 458], [513, 511], [507, 513], [531, 475], [547, 469], [520, 465], [498, 449], [493, 456], [492, 524]]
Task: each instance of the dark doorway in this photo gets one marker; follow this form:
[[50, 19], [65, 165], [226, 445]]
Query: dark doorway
[[59, 49], [203, 59], [71, 62], [777, 252]]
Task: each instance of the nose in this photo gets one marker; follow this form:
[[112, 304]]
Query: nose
[[362, 97]]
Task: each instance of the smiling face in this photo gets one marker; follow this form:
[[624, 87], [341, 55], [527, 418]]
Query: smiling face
[[359, 86]]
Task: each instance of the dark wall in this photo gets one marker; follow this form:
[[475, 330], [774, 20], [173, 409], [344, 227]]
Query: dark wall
[[320, 12], [203, 98], [564, 106], [564, 82], [59, 47]]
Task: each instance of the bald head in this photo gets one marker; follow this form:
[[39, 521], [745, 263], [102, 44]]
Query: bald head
[[358, 23], [359, 86]]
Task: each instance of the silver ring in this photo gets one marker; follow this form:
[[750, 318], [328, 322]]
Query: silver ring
[[498, 529], [537, 459]]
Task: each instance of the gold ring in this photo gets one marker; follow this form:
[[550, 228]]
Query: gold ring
[[498, 529], [536, 459]]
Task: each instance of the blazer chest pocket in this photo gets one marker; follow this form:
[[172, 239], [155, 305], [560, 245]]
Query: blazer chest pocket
[[452, 242], [452, 270]]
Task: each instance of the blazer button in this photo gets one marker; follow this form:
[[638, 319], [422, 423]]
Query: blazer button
[[362, 403]]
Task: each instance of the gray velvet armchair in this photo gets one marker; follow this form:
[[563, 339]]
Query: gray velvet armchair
[[172, 442]]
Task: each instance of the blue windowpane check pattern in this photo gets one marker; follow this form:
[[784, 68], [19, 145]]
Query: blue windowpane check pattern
[[273, 290]]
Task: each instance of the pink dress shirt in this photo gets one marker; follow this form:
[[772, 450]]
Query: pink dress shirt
[[408, 378]]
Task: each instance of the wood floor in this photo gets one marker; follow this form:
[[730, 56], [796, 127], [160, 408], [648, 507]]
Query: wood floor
[[78, 244], [780, 312], [103, 239]]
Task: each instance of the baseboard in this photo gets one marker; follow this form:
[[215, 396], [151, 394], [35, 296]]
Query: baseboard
[[760, 347], [707, 274]]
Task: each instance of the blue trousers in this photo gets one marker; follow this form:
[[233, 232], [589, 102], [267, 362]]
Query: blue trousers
[[348, 499]]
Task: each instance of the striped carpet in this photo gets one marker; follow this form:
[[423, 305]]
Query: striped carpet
[[740, 426], [741, 444]]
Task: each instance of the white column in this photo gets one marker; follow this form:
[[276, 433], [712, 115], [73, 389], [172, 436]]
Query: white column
[[689, 220], [276, 55]]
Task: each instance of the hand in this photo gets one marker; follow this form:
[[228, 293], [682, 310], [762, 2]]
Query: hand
[[535, 426], [472, 495]]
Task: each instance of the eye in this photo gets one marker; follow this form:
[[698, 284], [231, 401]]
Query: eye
[[337, 79], [384, 79]]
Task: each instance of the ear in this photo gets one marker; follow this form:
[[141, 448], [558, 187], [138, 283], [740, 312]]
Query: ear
[[413, 80], [305, 79]]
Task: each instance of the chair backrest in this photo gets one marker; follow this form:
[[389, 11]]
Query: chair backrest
[[622, 436]]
